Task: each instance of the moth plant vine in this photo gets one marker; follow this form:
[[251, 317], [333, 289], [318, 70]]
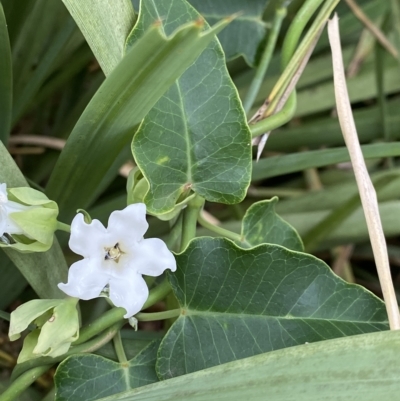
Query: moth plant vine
[[169, 104]]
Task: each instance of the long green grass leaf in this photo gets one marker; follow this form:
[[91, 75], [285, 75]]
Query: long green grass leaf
[[280, 165], [5, 80]]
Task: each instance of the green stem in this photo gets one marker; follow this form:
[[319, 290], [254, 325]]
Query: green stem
[[5, 315], [63, 227], [276, 120], [116, 315], [175, 233], [218, 230], [255, 85], [158, 293], [289, 46], [190, 215], [119, 348], [149, 317], [87, 347], [19, 385], [106, 320], [296, 29], [306, 45]]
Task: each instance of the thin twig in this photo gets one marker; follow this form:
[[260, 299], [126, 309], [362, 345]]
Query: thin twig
[[364, 183], [381, 38], [39, 140], [50, 143]]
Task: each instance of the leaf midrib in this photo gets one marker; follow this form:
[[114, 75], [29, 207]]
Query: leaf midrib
[[192, 312], [187, 136]]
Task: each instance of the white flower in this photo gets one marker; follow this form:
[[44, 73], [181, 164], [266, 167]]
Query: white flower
[[7, 225], [117, 257]]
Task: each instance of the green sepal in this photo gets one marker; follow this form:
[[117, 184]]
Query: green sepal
[[58, 326], [27, 348], [60, 330], [27, 313], [38, 222]]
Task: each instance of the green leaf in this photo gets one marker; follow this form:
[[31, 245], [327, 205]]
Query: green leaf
[[240, 302], [27, 92], [105, 25], [280, 165], [5, 80], [245, 33], [362, 367], [43, 271], [199, 126], [261, 225], [36, 48], [109, 121], [15, 281], [133, 342], [88, 377], [343, 212]]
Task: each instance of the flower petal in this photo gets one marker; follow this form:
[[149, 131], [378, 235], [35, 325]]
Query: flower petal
[[3, 194], [152, 257], [3, 221], [87, 239], [129, 225], [85, 279], [130, 293]]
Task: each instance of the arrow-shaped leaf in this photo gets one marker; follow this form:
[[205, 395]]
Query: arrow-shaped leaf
[[196, 136], [241, 302]]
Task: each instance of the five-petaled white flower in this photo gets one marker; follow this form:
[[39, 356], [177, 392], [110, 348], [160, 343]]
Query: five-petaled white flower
[[117, 257], [7, 225]]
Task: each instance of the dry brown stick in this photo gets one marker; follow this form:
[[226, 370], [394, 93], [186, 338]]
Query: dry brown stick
[[51, 143], [367, 191]]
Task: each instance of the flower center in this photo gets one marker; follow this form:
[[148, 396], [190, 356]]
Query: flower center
[[113, 253]]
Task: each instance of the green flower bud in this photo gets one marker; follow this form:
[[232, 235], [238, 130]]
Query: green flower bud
[[57, 323], [28, 219]]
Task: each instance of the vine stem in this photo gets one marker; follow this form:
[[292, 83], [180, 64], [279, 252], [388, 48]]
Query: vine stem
[[63, 227], [116, 315], [223, 232], [190, 215], [119, 348], [149, 317], [19, 385], [262, 68], [33, 368], [292, 38]]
